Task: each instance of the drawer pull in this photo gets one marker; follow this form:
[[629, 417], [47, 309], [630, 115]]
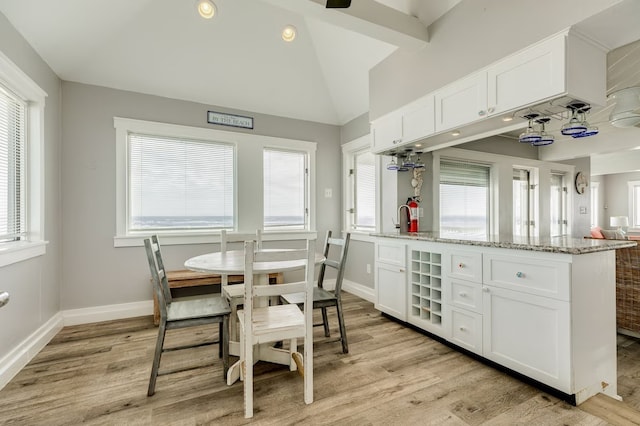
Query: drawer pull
[[462, 294], [463, 328], [460, 265], [519, 274], [485, 289]]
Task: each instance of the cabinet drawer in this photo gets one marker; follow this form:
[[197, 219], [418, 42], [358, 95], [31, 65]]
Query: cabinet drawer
[[391, 253], [466, 330], [540, 277], [465, 265], [465, 294]]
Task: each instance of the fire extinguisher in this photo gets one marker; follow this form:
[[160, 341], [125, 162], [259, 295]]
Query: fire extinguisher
[[413, 214]]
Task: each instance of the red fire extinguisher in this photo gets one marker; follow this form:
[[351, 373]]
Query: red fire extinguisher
[[413, 214]]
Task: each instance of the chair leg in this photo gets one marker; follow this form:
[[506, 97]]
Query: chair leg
[[325, 322], [220, 339], [162, 330], [343, 329], [224, 343], [248, 378], [308, 370]]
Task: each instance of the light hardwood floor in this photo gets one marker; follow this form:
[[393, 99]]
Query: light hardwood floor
[[98, 374]]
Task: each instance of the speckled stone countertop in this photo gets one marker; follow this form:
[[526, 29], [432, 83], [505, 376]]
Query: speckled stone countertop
[[550, 245]]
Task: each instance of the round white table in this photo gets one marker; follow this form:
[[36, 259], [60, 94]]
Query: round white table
[[232, 263]]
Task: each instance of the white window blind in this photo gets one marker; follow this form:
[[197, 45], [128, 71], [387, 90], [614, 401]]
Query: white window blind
[[521, 198], [12, 167], [285, 189], [180, 184], [464, 198], [364, 190]]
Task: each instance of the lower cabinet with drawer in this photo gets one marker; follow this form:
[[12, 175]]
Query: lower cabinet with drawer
[[548, 316]]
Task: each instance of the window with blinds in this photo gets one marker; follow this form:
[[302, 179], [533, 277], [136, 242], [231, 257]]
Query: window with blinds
[[522, 194], [464, 198], [364, 191], [558, 204], [179, 184], [12, 167], [285, 189]]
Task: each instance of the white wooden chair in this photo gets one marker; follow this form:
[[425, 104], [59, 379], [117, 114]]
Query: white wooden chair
[[183, 312], [259, 325], [234, 293]]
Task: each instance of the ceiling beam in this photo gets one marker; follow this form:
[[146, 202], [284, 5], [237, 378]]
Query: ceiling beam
[[366, 17]]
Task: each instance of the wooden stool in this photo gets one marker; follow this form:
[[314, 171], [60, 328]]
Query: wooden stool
[[186, 278]]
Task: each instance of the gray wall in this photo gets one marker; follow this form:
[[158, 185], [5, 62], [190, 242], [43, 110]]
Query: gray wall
[[581, 221], [502, 145], [603, 214], [34, 284], [94, 272], [472, 35]]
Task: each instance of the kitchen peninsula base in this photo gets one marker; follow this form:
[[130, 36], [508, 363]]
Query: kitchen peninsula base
[[545, 310]]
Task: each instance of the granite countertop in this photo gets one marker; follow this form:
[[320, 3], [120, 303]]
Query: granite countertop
[[565, 245]]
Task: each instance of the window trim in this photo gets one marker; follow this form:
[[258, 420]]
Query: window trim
[[249, 148], [23, 86], [349, 151], [632, 184], [595, 203]]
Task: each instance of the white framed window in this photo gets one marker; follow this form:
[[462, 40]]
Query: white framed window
[[22, 104], [179, 184], [465, 201], [595, 204], [211, 179], [634, 204], [523, 217], [360, 168], [285, 187]]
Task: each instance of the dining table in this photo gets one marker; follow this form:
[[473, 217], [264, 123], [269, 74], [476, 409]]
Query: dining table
[[232, 263]]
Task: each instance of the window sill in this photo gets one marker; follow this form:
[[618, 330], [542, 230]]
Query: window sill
[[186, 239], [15, 252]]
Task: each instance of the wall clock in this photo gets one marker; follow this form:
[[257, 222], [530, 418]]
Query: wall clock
[[581, 182]]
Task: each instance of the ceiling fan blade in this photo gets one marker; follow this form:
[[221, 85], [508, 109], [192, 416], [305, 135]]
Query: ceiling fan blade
[[338, 4]]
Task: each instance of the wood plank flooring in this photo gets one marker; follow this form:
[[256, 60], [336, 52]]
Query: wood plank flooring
[[97, 374]]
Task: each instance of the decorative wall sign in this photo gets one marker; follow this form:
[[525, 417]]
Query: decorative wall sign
[[232, 120]]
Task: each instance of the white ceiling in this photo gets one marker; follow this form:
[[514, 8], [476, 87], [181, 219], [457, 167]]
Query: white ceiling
[[236, 60]]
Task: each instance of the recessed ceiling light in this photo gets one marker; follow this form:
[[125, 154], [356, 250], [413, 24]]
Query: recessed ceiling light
[[206, 8], [289, 33], [507, 119], [455, 133]]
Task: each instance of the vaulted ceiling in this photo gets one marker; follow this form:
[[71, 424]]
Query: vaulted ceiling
[[235, 60]]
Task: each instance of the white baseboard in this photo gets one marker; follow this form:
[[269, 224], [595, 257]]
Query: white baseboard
[[21, 355], [364, 292], [107, 312]]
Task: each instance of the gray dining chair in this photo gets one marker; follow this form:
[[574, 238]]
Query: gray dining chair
[[323, 298], [181, 313]]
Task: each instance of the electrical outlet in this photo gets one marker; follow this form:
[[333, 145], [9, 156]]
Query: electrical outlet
[[368, 268], [583, 210], [328, 193]]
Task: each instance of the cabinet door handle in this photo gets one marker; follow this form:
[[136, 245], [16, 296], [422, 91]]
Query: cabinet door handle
[[520, 274], [463, 294], [463, 328], [396, 141], [482, 113], [460, 265], [401, 270], [491, 109], [485, 289]]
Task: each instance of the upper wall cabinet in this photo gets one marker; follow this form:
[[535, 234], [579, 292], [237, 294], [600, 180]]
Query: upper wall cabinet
[[462, 102], [406, 125], [546, 76]]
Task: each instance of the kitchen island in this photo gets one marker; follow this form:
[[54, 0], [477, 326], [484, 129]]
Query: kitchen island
[[543, 308]]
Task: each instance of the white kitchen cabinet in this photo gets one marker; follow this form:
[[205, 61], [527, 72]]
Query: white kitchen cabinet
[[387, 132], [461, 102], [408, 124], [529, 334], [464, 264], [466, 329], [391, 279], [529, 76]]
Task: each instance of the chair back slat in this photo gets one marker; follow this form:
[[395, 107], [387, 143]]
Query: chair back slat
[[280, 255], [279, 289], [338, 263]]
